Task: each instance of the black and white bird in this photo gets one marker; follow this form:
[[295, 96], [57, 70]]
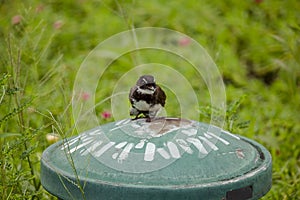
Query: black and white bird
[[146, 98]]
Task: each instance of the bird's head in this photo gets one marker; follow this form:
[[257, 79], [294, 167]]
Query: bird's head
[[146, 84]]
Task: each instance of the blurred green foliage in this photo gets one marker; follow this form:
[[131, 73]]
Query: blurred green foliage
[[255, 43]]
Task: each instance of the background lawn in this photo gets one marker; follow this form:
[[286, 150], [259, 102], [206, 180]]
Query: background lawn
[[255, 44]]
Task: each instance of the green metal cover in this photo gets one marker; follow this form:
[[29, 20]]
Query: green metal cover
[[167, 158]]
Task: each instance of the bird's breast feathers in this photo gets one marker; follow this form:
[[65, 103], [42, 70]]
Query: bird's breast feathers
[[142, 105]]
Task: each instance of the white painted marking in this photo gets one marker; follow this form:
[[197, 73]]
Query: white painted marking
[[184, 145], [80, 146], [70, 142], [120, 122], [124, 154], [94, 146], [82, 150], [197, 143], [190, 132], [119, 125], [149, 152], [83, 136], [91, 148], [230, 134], [209, 143], [207, 136], [127, 121], [87, 138], [95, 132], [115, 155], [134, 125], [140, 144], [104, 148], [121, 145], [219, 138], [173, 149], [163, 153]]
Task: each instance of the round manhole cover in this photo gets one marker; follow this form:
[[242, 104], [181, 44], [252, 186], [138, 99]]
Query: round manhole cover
[[167, 158]]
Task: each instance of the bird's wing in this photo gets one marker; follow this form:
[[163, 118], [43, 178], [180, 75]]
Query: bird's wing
[[161, 96], [131, 94]]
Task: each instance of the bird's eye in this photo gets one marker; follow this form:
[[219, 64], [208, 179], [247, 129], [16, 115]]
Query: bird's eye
[[143, 87], [151, 85]]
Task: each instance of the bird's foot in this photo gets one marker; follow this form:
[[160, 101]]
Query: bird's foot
[[139, 116], [150, 119]]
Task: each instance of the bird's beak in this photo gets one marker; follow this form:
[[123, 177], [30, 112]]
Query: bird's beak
[[151, 88]]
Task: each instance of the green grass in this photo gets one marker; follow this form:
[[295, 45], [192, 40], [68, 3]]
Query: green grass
[[256, 46]]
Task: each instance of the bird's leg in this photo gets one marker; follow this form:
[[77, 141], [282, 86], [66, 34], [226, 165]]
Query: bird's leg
[[136, 117], [146, 114], [134, 112], [154, 110], [138, 114], [149, 119], [151, 115]]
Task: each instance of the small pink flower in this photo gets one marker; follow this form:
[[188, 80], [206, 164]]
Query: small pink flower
[[106, 114], [58, 24], [85, 96], [184, 41], [16, 19]]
